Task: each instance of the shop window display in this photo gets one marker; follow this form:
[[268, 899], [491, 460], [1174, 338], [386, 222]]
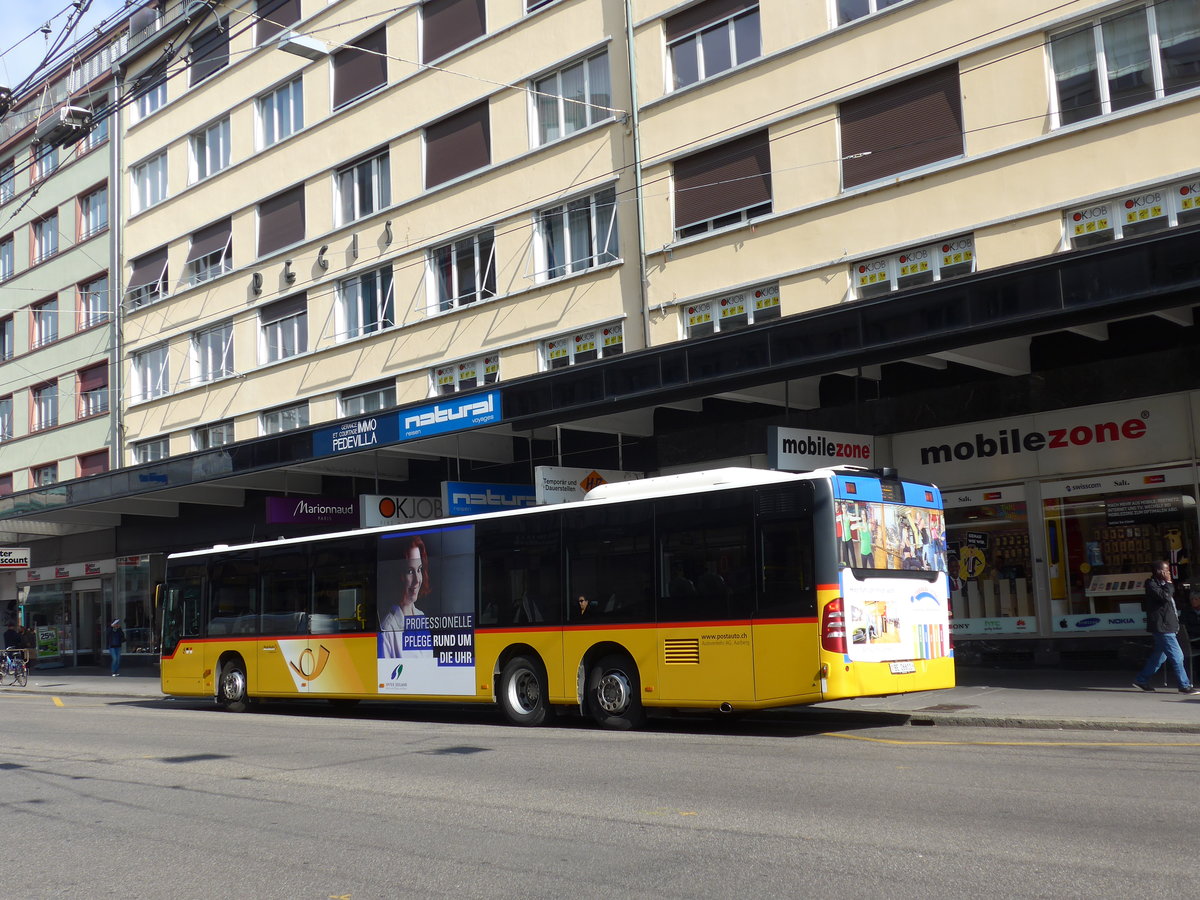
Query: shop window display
[[990, 567]]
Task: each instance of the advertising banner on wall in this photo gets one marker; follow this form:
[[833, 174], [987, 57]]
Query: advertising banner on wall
[[805, 449], [14, 557], [388, 509], [311, 511], [466, 498], [1104, 436], [555, 484]]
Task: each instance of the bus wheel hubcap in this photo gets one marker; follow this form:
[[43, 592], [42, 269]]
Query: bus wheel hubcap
[[525, 691], [614, 692]]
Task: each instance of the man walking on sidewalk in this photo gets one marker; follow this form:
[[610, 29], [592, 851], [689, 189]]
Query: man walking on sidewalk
[[1162, 621]]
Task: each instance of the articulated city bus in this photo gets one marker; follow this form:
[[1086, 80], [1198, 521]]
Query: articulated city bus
[[735, 589]]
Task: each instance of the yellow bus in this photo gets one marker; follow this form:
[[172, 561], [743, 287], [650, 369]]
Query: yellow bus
[[734, 589]]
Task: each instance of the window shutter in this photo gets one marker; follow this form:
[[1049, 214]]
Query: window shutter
[[284, 309], [457, 145], [281, 220], [274, 16], [724, 179], [147, 269], [210, 51], [93, 463], [93, 379], [208, 240], [359, 68], [448, 24], [703, 14], [901, 127]]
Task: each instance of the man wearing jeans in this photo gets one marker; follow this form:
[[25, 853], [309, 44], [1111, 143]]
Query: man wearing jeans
[[1162, 621]]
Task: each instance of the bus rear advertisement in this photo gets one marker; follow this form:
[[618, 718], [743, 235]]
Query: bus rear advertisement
[[728, 590]]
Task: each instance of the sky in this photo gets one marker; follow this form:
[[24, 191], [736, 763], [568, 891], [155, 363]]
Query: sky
[[20, 17]]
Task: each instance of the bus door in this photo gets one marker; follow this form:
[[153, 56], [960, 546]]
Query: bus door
[[182, 616], [284, 651], [785, 626]]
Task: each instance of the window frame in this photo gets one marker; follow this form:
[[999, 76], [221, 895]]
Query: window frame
[[213, 435], [483, 272], [1123, 216], [733, 311], [88, 211], [6, 418], [350, 327], [92, 313], [212, 353], [150, 99], [8, 180], [149, 292], [726, 185], [45, 244], [463, 375], [149, 182], [8, 336], [8, 257], [43, 323], [558, 217], [265, 427], [356, 62], [45, 162], [541, 100], [379, 391], [913, 263], [204, 145], [268, 113], [697, 28], [43, 406], [92, 401], [44, 475], [283, 325], [562, 352], [348, 187], [150, 375], [208, 52], [208, 266], [150, 451], [874, 8]]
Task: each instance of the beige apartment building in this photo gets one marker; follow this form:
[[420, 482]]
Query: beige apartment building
[[954, 237]]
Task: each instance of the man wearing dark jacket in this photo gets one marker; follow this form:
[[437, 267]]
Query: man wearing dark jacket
[[1162, 621]]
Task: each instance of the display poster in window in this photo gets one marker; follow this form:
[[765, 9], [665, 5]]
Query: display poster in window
[[1140, 509]]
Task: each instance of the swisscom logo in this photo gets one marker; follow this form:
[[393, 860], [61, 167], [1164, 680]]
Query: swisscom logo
[[1008, 441]]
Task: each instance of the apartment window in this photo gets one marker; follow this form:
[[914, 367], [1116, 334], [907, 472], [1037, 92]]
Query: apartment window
[[708, 38], [583, 347], [363, 187], [365, 303], [732, 311], [99, 133], [458, 144], [1114, 218], [148, 279], [93, 391], [210, 254], [849, 10], [578, 235], [7, 258], [93, 302], [151, 94], [93, 464], [210, 151], [45, 238], [8, 180], [1144, 53], [44, 398], [45, 322], [901, 127], [212, 353], [360, 67], [531, 5], [572, 98], [284, 328], [724, 185], [368, 399], [284, 418], [6, 484], [463, 271], [273, 17], [149, 182], [216, 435], [151, 451], [466, 375], [44, 476], [914, 267], [150, 378], [448, 24], [7, 334], [210, 52], [280, 113], [6, 418], [281, 220], [45, 161], [93, 212]]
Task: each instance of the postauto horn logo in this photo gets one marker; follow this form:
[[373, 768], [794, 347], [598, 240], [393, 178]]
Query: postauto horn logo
[[1006, 441]]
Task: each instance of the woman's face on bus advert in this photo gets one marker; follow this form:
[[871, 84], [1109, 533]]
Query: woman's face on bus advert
[[412, 573]]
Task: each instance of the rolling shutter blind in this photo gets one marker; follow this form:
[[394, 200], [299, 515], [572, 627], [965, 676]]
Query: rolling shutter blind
[[284, 309], [208, 240], [359, 68], [448, 24], [210, 51], [457, 145], [147, 269], [281, 220], [274, 16], [724, 179], [703, 14]]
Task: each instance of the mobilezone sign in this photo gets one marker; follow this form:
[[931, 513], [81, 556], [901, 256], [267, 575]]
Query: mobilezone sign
[[450, 414], [1110, 435]]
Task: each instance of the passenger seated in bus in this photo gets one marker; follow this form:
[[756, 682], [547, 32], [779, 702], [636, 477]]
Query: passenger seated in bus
[[680, 585]]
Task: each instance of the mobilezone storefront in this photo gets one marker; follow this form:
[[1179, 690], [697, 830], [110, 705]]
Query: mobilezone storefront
[[1053, 520]]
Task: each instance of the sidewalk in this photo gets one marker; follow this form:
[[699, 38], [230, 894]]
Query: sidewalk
[[1012, 698]]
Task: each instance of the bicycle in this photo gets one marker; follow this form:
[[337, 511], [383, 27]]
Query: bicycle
[[13, 667]]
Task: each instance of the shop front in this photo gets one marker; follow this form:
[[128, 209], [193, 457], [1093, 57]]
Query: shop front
[[69, 608], [1053, 520]]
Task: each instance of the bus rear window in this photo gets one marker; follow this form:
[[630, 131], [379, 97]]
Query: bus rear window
[[889, 536]]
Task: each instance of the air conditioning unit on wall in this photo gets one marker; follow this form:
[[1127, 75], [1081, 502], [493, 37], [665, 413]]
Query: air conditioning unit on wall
[[64, 126]]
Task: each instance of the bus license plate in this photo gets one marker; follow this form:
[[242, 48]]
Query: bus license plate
[[904, 667]]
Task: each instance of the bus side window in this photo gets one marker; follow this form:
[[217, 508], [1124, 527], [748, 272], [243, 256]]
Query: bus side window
[[788, 587], [285, 590], [343, 596], [610, 563], [705, 557], [518, 572], [233, 607]]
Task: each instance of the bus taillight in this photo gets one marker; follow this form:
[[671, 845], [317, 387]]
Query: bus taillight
[[833, 627]]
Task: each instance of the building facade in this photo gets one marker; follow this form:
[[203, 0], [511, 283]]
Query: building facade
[[658, 236]]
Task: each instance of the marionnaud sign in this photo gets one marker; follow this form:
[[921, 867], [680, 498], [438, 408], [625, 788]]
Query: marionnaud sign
[[465, 498], [311, 510], [805, 449], [14, 557], [387, 509], [556, 484], [450, 414]]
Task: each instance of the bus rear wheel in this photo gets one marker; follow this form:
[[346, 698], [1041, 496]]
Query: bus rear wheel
[[614, 693], [523, 691], [231, 688]]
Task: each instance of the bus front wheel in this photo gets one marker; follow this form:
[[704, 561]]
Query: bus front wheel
[[523, 691], [231, 689], [614, 693]]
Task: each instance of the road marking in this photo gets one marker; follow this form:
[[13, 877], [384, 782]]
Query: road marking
[[57, 701], [875, 740]]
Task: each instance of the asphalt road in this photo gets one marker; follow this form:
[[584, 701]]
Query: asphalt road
[[174, 799]]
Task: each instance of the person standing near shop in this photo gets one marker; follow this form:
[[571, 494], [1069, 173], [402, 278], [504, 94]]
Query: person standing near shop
[[1162, 621], [116, 637]]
